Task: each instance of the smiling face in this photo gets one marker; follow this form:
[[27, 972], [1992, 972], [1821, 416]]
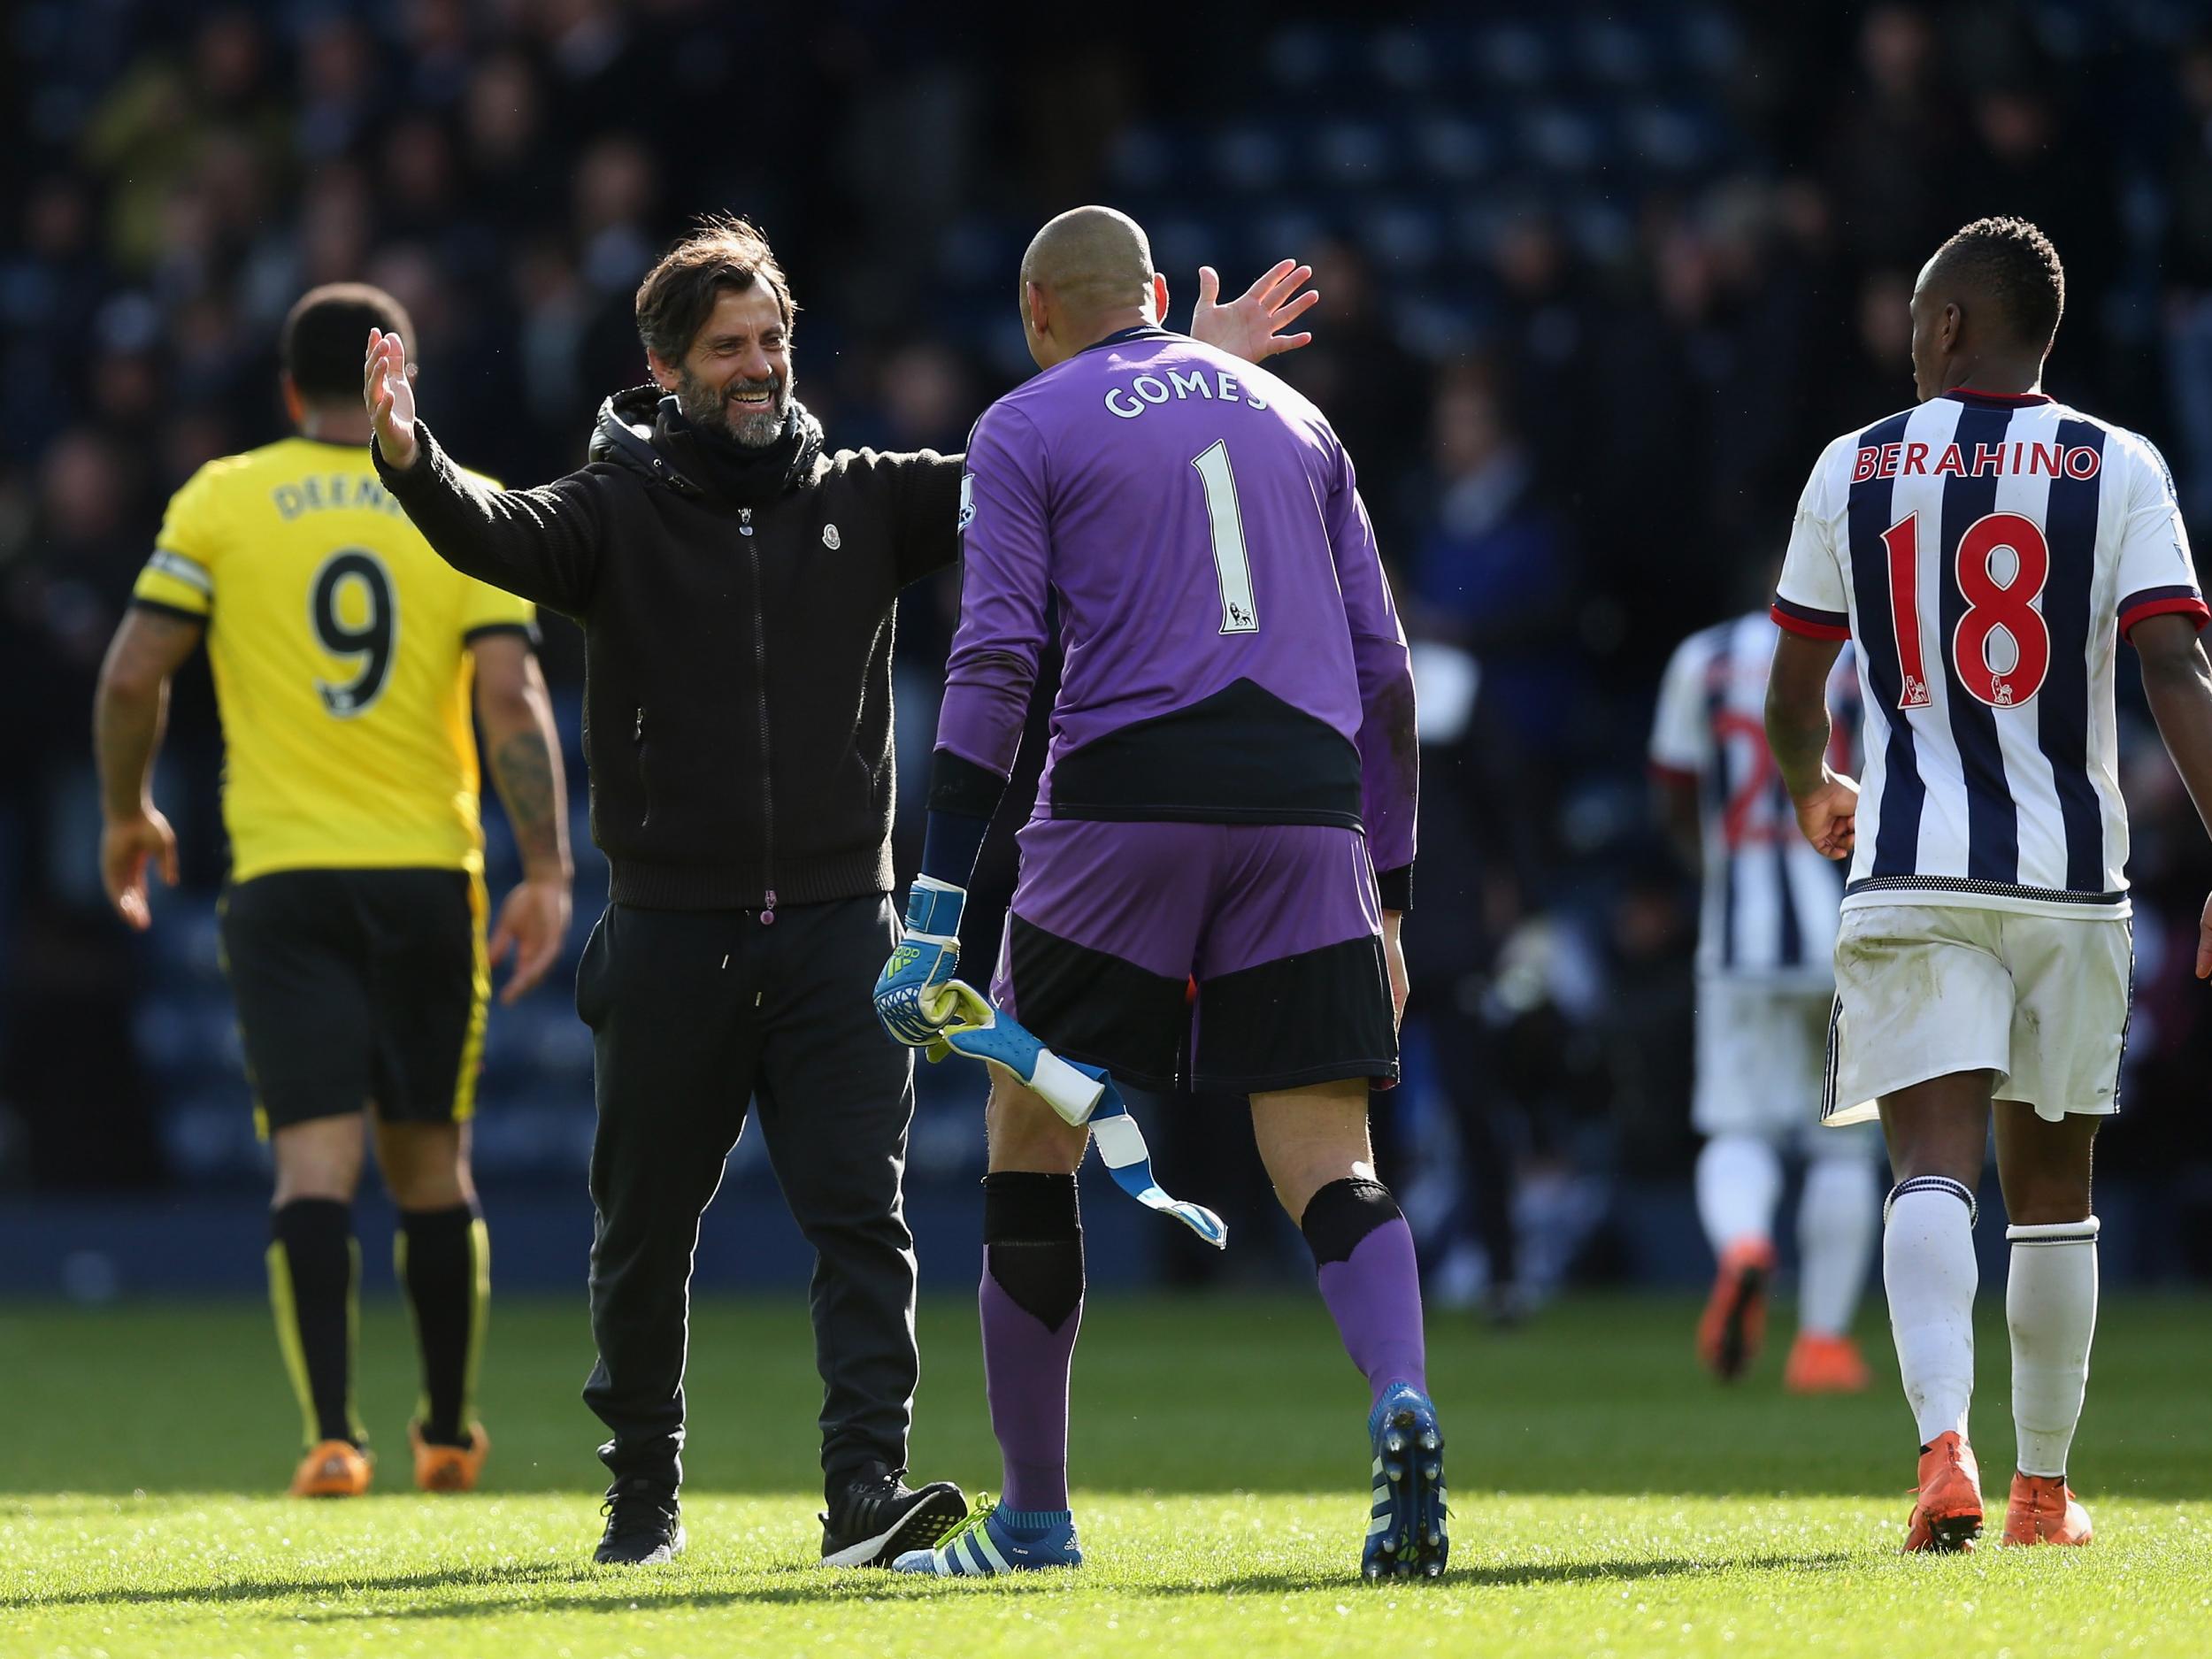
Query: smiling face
[[736, 378]]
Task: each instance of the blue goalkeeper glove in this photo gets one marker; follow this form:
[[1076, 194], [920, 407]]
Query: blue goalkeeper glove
[[911, 986]]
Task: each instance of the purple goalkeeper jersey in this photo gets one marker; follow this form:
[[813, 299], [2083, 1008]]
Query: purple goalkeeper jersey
[[1231, 653]]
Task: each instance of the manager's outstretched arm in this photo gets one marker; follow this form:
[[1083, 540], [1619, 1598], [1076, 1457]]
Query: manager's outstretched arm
[[541, 544]]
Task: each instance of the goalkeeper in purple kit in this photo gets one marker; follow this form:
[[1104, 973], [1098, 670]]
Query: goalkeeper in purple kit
[[1229, 799]]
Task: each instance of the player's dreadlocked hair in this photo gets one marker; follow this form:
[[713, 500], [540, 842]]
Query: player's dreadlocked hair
[[678, 294], [2013, 263]]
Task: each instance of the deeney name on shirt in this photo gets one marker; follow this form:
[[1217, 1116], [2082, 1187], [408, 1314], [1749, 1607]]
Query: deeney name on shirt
[[330, 490]]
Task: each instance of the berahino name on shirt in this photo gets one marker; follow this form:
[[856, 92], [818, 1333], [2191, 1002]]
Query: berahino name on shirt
[[1985, 460]]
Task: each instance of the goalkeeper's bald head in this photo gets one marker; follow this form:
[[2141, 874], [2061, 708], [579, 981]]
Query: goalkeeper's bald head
[[1087, 274]]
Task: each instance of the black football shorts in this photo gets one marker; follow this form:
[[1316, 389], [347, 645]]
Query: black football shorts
[[358, 989]]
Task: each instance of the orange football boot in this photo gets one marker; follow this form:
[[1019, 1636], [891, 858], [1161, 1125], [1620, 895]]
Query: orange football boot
[[335, 1468], [2043, 1511], [1735, 1319], [448, 1467], [1821, 1364], [1947, 1515]]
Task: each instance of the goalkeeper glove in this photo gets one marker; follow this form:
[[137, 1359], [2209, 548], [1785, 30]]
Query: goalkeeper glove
[[910, 1000]]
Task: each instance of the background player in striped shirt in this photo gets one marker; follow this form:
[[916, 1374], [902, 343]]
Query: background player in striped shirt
[[1986, 551], [1765, 984], [344, 650]]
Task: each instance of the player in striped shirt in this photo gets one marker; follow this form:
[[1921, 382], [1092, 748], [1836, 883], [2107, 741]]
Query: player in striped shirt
[[1765, 983], [1986, 551]]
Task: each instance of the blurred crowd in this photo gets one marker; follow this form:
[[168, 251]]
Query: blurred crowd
[[1632, 275]]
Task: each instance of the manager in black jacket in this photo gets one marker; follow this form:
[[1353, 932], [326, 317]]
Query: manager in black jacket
[[736, 587]]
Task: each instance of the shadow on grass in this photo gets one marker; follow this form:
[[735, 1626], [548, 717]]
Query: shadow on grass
[[798, 1584], [289, 1589]]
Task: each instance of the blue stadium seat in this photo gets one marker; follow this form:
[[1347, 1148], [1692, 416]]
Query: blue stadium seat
[[1436, 324], [187, 947], [1142, 159], [1451, 149], [1615, 51], [1604, 230], [187, 1033], [1515, 54], [1303, 56], [1559, 138], [1404, 60], [1248, 158], [1286, 228], [1352, 154], [208, 1134], [1667, 138], [1404, 236], [1708, 42]]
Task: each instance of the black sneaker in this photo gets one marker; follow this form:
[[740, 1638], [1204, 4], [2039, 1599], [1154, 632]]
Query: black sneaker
[[644, 1524], [875, 1519]]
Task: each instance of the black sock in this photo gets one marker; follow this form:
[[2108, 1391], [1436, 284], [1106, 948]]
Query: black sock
[[444, 1258], [1033, 1242], [1342, 1214], [314, 1276]]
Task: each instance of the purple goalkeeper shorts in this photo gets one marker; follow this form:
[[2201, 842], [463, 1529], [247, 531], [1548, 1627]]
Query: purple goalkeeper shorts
[[1276, 925]]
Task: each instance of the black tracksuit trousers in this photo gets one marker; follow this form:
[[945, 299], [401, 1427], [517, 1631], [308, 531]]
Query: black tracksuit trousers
[[694, 1013]]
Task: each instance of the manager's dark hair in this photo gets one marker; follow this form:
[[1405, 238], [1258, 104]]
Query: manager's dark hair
[[327, 332], [2013, 264], [679, 293]]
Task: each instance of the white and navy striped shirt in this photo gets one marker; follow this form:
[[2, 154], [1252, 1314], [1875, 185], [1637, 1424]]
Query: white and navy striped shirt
[[1987, 553], [1771, 901]]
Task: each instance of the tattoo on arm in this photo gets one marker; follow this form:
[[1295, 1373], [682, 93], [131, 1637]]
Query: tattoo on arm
[[531, 789]]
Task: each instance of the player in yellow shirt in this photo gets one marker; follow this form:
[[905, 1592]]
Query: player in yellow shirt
[[352, 927]]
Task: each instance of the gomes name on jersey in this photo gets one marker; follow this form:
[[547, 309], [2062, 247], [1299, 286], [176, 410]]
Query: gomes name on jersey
[[1148, 391]]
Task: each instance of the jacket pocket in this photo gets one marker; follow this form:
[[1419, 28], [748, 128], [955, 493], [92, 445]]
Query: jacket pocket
[[644, 768]]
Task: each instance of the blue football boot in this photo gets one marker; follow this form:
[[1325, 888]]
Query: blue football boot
[[988, 1543], [1407, 1537]]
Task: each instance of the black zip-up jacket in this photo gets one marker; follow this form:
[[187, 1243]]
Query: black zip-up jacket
[[737, 700]]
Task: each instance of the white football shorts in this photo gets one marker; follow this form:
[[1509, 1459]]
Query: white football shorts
[[1925, 990], [1761, 1056]]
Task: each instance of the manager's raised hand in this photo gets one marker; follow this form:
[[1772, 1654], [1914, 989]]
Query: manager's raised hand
[[1252, 325], [388, 385]]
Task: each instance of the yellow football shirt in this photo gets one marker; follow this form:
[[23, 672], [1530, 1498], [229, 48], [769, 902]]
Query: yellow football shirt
[[338, 641]]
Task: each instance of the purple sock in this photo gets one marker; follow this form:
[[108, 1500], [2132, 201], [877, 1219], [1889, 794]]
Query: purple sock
[[1369, 1281], [1025, 1367]]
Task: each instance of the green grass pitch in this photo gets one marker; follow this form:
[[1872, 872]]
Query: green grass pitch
[[1607, 1499]]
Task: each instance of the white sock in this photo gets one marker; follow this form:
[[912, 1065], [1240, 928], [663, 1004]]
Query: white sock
[[2051, 1304], [1738, 1184], [1836, 1220], [1928, 1269]]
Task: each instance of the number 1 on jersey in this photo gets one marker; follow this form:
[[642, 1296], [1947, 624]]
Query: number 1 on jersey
[[1231, 567]]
